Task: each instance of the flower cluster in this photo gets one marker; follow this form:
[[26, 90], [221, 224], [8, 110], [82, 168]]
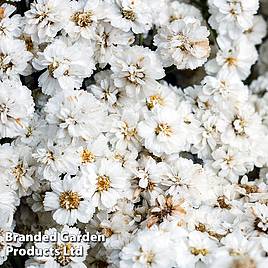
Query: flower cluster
[[143, 121]]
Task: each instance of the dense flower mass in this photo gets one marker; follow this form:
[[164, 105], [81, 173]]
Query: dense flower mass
[[142, 121]]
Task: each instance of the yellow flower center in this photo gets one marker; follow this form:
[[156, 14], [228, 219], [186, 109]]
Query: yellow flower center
[[199, 251], [153, 100], [5, 66], [87, 156], [239, 125], [52, 67], [50, 156], [128, 132], [64, 257], [28, 42], [163, 128], [83, 19], [231, 61], [201, 227], [103, 183], [222, 203], [150, 257], [19, 172], [69, 200], [229, 159], [129, 14], [107, 232]]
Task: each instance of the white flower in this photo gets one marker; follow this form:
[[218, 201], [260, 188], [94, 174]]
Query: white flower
[[134, 68], [226, 93], [180, 173], [162, 132], [237, 244], [178, 11], [108, 39], [126, 158], [105, 90], [46, 18], [69, 201], [56, 159], [208, 134], [230, 163], [148, 249], [234, 59], [260, 211], [10, 26], [243, 127], [147, 180], [107, 181], [232, 17], [67, 65], [257, 32], [117, 229], [183, 43], [260, 86], [84, 17], [159, 11], [77, 114], [129, 15], [13, 58], [16, 108], [197, 247], [123, 133], [36, 128], [17, 169], [94, 150], [160, 96]]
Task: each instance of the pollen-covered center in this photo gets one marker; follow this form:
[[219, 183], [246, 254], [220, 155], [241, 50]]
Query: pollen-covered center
[[87, 157], [52, 67], [103, 183], [149, 256], [83, 19], [128, 14], [231, 61], [154, 100], [19, 172], [261, 225], [239, 125], [136, 73], [29, 132], [108, 232], [229, 160], [50, 156], [5, 63], [222, 203], [199, 251], [69, 200], [128, 132], [28, 42], [163, 128], [185, 43], [64, 256]]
